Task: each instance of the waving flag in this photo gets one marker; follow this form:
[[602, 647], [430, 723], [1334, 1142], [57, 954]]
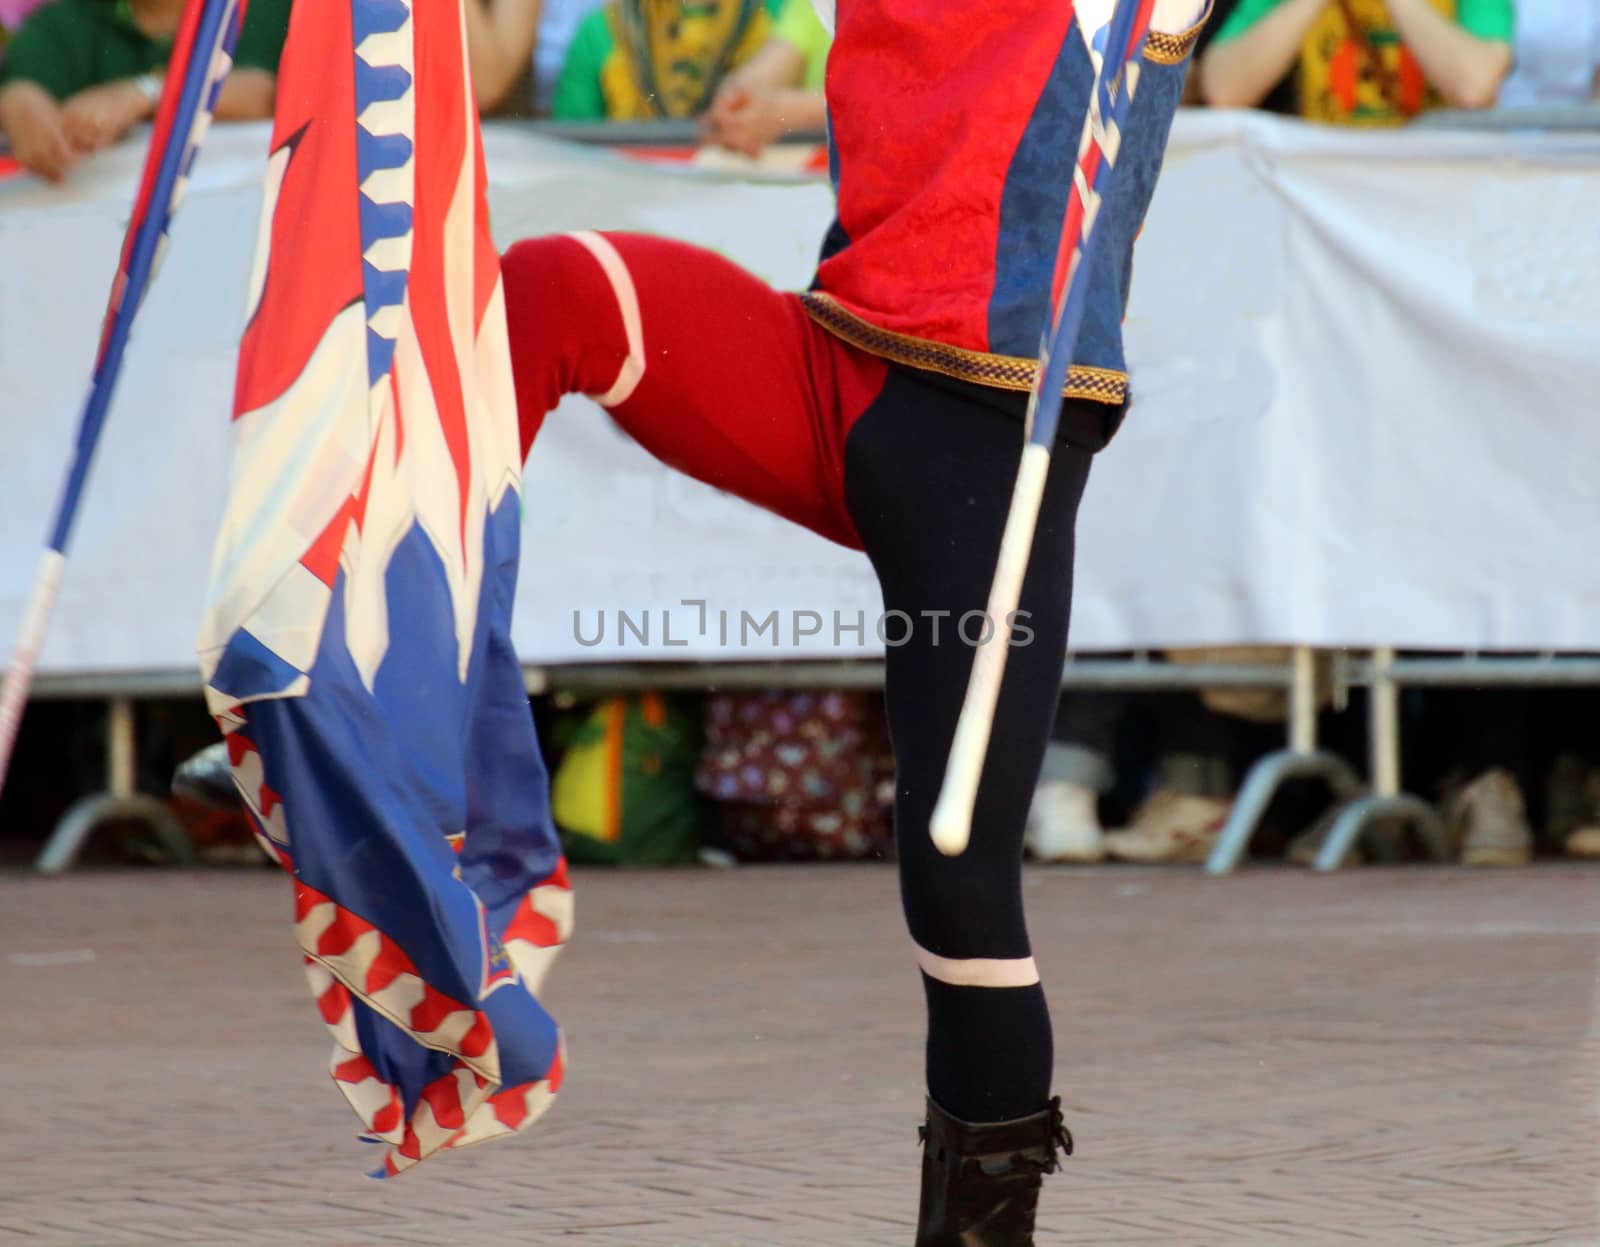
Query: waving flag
[[201, 58], [357, 642]]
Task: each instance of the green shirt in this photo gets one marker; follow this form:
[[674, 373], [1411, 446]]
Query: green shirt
[[1488, 19], [798, 24], [1334, 79], [69, 45], [578, 95], [593, 83]]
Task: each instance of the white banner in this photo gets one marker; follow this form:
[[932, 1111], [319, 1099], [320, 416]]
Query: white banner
[[1366, 367]]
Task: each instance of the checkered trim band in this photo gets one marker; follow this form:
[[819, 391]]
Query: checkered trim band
[[1161, 48], [999, 372]]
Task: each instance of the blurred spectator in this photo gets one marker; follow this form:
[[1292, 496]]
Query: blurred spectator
[[776, 92], [1497, 755], [558, 23], [1572, 803], [623, 792], [1186, 808], [1361, 62], [500, 41], [799, 775], [1181, 756], [1557, 54], [638, 60], [12, 13], [81, 73], [1488, 820], [1280, 99], [1477, 744]]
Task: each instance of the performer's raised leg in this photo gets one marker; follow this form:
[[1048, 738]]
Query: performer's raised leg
[[709, 368]]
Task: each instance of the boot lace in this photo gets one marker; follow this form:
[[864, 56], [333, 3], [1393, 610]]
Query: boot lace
[[1060, 1145]]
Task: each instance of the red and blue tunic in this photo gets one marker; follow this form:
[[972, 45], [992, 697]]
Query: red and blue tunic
[[945, 241]]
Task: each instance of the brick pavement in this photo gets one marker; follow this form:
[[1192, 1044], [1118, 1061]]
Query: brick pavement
[[1390, 1057]]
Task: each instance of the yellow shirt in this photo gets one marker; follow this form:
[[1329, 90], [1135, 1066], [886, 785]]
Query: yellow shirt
[[669, 56], [1337, 82], [1335, 77]]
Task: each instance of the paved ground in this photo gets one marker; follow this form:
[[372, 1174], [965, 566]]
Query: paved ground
[[1388, 1057]]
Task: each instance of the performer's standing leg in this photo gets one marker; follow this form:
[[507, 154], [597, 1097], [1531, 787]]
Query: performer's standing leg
[[928, 478]]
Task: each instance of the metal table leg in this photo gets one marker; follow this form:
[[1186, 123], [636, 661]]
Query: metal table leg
[[1301, 760], [1386, 802], [1261, 785]]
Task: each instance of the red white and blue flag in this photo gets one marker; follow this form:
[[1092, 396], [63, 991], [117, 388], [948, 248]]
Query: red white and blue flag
[[357, 646]]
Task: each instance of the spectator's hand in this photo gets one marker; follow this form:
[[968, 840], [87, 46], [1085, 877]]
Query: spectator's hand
[[247, 95], [743, 120], [500, 38], [34, 122], [98, 116]]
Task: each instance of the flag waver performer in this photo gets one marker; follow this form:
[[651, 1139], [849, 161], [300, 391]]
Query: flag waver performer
[[356, 646], [356, 650], [884, 408]]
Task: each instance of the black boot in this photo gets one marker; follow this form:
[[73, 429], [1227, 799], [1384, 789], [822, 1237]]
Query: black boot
[[980, 1182]]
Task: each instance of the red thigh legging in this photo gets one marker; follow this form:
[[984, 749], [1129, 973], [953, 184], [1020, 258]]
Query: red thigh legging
[[707, 368], [721, 377]]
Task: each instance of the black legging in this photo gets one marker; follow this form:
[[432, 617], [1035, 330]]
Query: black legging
[[726, 379], [929, 469]]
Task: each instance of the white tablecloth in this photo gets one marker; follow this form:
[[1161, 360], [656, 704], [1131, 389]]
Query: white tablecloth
[[1367, 375]]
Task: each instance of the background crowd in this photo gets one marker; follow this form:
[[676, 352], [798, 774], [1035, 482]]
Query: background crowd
[[807, 774], [75, 75]]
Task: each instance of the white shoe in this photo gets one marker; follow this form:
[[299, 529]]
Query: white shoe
[[1585, 843], [1170, 827], [1064, 824], [1491, 822]]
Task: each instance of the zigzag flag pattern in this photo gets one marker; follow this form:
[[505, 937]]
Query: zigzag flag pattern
[[356, 646], [385, 123]]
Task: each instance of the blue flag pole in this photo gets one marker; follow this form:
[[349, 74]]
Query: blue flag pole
[[199, 65], [1114, 83]]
